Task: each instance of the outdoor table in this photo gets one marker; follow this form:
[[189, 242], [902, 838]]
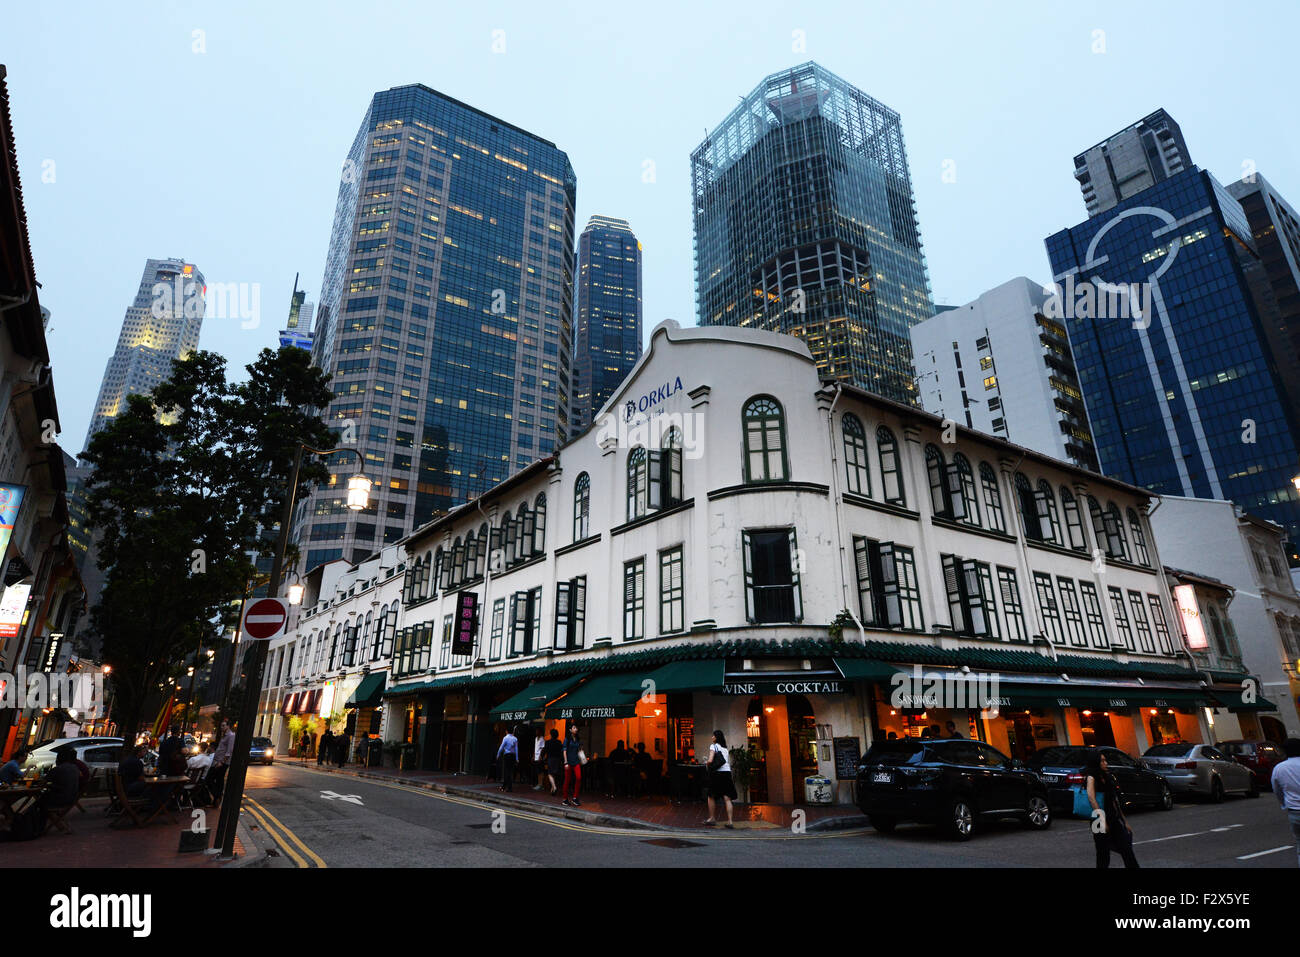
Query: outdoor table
[[12, 794]]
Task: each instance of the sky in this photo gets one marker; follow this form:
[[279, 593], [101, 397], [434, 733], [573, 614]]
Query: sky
[[218, 134]]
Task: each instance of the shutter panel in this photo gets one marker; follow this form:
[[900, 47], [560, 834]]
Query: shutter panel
[[796, 588], [513, 646], [952, 587], [578, 612], [674, 466], [862, 562], [563, 619], [746, 548], [889, 586], [974, 598], [529, 529], [956, 499], [406, 585], [656, 483], [1044, 516]]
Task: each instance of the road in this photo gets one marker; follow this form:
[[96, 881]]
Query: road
[[317, 819]]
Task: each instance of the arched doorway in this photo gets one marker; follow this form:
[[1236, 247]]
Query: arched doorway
[[803, 741], [781, 734]]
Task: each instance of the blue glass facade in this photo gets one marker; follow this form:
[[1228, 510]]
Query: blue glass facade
[[1192, 403], [607, 337], [445, 316]]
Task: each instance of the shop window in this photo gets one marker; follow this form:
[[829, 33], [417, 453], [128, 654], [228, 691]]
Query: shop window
[[992, 498], [772, 592], [634, 599], [571, 614], [891, 475], [856, 471]]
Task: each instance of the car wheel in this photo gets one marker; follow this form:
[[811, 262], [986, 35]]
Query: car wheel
[[1216, 791], [883, 822], [961, 820], [1039, 815], [1166, 802]]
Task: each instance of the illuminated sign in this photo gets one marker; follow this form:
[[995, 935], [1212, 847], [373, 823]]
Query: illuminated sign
[[11, 500], [327, 699], [1185, 595], [466, 623], [13, 605]]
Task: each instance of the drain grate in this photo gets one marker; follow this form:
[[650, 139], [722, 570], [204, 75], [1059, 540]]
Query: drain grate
[[672, 842]]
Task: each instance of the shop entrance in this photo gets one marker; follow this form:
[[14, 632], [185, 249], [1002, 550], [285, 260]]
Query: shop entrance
[[1096, 729], [781, 734]]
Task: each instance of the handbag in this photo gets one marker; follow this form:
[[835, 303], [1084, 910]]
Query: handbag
[[716, 761]]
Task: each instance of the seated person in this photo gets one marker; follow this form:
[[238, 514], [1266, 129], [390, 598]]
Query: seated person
[[132, 771], [201, 761], [641, 759], [64, 780], [620, 753], [12, 771]]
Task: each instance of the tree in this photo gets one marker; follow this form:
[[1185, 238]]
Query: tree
[[184, 482]]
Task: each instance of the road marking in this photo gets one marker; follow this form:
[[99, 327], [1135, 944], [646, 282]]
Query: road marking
[[278, 839], [289, 833], [1284, 847], [709, 835], [1174, 837], [334, 796]]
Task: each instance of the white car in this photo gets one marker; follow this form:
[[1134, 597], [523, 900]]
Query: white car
[[94, 752]]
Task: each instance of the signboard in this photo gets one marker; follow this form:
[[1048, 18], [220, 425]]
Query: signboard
[[1190, 612], [462, 642], [11, 501], [12, 606], [264, 618], [753, 686], [848, 753], [594, 711]]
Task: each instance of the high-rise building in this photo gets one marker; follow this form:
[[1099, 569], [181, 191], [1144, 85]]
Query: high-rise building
[[1165, 300], [445, 315], [805, 223], [607, 334], [1148, 152], [297, 329], [161, 325], [999, 365]]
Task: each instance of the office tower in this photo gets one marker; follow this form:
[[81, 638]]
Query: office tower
[[999, 365], [1148, 152], [1163, 296], [162, 324], [297, 330], [805, 224], [607, 334], [445, 315]]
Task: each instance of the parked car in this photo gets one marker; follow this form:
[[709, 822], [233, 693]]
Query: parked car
[[1260, 756], [1061, 769], [1201, 769], [94, 752], [949, 783], [261, 750]]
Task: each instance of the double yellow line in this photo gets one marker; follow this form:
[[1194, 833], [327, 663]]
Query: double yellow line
[[283, 836]]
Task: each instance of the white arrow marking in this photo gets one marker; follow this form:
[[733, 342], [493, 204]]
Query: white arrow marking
[[333, 796]]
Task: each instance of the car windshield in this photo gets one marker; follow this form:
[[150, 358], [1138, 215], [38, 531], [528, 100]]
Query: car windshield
[[1169, 751], [893, 752], [261, 742]]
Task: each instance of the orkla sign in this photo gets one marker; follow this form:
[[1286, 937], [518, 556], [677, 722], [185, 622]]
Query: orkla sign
[[651, 399]]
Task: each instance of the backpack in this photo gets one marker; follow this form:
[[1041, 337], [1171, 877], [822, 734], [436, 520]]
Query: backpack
[[29, 824]]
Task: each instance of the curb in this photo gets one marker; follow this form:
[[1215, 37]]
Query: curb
[[251, 857]]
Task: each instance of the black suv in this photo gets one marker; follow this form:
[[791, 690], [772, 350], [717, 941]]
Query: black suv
[[1061, 769], [948, 782]]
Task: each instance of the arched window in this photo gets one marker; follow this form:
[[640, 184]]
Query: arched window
[[527, 522], [891, 475], [457, 562], [857, 473], [1029, 521], [1139, 539], [539, 524], [992, 497], [1074, 534], [363, 651], [672, 469], [304, 659], [484, 537], [582, 507], [334, 647], [438, 573], [504, 539], [966, 478], [471, 557], [1048, 517], [350, 633], [636, 483], [764, 426], [1115, 519], [937, 470]]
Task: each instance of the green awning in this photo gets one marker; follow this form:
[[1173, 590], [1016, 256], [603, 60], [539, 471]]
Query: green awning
[[606, 696], [865, 669], [701, 674], [529, 703], [369, 692], [1094, 697], [1233, 700]]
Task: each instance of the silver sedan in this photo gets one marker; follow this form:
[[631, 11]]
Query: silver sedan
[[1200, 769]]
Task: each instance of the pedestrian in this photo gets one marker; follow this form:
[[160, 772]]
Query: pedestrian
[[363, 748], [573, 761], [304, 745], [342, 743], [325, 748], [508, 754], [221, 759], [720, 783], [525, 766], [1110, 829], [539, 765], [554, 752], [952, 730], [1286, 785]]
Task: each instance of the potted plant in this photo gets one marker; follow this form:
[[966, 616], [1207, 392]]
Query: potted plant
[[742, 770], [836, 628]]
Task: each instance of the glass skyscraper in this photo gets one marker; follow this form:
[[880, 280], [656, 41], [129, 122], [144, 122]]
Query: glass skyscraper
[[445, 315], [1160, 296], [607, 337], [805, 223]]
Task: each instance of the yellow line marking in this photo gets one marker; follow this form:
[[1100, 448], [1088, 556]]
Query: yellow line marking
[[278, 838], [292, 836], [709, 834]]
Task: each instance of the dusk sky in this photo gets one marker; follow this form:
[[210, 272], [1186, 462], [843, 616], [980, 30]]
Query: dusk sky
[[139, 137]]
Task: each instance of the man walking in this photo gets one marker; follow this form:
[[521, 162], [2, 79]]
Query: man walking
[[507, 755], [1286, 785], [221, 759]]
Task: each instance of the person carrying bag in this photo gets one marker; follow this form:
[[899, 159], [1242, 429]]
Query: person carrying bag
[[720, 784]]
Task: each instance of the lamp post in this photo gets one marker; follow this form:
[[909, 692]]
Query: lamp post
[[358, 499]]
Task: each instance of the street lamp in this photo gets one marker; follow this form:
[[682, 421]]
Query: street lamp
[[295, 591], [358, 499]]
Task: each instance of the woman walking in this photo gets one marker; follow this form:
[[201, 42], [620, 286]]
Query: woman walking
[[572, 766], [1110, 829], [553, 759], [720, 783]]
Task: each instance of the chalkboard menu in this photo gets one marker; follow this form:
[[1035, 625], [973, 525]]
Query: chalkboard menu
[[848, 752]]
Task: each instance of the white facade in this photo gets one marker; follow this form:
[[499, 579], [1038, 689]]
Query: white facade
[[1216, 538], [1000, 366]]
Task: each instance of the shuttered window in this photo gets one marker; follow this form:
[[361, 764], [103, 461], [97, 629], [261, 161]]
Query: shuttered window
[[634, 600], [672, 593], [772, 588], [1012, 609]]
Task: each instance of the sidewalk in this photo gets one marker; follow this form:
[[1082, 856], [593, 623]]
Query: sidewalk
[[652, 812], [93, 843]]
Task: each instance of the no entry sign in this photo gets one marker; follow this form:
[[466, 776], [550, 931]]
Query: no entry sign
[[264, 618]]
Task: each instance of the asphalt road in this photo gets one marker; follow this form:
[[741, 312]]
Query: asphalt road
[[314, 819]]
